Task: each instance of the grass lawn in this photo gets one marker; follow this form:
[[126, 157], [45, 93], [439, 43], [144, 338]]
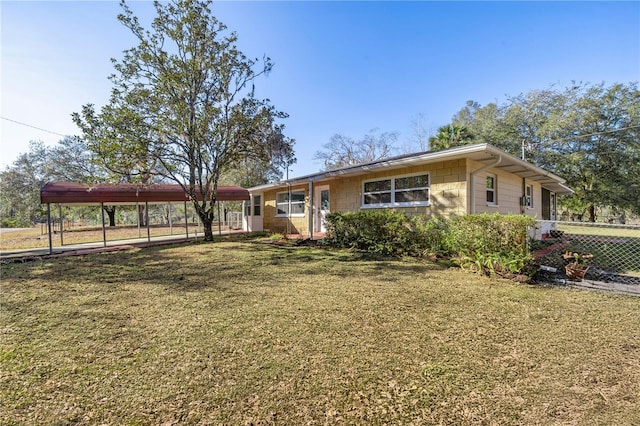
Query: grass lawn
[[248, 333], [37, 236], [600, 229]]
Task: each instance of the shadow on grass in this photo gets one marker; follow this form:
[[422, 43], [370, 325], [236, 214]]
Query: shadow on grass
[[224, 265]]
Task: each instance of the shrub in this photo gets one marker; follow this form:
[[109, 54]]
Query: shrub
[[429, 235], [12, 222], [374, 231], [490, 242], [486, 243]]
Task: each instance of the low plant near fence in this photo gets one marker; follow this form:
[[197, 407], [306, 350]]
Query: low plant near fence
[[491, 243], [486, 243], [614, 250]]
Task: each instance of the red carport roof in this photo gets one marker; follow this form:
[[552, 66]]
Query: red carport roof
[[126, 193]]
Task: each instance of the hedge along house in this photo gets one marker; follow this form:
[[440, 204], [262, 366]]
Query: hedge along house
[[467, 179]]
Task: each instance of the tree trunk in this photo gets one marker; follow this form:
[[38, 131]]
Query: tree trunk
[[592, 213], [111, 212], [141, 216], [206, 217], [207, 222]]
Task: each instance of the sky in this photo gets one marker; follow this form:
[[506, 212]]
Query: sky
[[341, 67]]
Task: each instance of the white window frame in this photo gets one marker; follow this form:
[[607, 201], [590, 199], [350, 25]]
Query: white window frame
[[289, 203], [252, 204], [393, 192], [256, 203], [493, 190], [528, 196]]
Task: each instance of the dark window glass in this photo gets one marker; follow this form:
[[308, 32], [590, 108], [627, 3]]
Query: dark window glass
[[380, 185], [412, 196], [421, 181]]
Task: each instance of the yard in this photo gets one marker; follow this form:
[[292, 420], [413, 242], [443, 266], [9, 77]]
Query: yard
[[240, 332], [37, 236]]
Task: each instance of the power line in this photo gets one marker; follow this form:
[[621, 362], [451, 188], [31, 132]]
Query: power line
[[596, 134], [33, 127]]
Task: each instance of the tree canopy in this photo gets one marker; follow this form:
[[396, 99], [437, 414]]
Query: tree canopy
[[588, 134], [183, 105], [20, 183]]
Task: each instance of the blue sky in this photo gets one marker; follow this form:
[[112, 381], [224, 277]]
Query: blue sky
[[340, 67]]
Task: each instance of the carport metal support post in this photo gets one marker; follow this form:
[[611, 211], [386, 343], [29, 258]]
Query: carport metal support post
[[219, 223], [146, 209], [49, 227], [104, 230], [138, 217], [60, 216], [186, 219], [170, 223]]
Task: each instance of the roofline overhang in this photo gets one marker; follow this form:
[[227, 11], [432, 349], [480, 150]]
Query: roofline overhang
[[545, 177], [123, 194]]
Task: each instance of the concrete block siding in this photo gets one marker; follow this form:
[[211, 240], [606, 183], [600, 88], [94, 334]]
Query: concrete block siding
[[457, 186], [448, 194]]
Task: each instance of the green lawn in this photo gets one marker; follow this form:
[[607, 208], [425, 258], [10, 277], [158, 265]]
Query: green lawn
[[615, 249], [600, 229], [37, 237], [248, 333]]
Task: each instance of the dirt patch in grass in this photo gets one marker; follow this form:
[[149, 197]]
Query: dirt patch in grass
[[248, 333]]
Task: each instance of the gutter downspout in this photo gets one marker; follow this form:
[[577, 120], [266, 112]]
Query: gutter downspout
[[472, 180]]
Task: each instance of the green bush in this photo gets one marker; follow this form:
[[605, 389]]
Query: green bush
[[487, 243], [429, 235], [12, 222], [373, 231], [490, 242]]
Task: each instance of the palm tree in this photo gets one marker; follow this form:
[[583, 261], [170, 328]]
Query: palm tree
[[449, 136]]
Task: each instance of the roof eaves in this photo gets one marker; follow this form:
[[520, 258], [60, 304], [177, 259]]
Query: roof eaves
[[397, 161], [514, 165]]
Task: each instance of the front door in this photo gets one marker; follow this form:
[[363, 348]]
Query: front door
[[322, 207]]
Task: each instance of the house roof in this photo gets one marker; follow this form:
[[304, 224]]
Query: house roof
[[483, 153], [127, 193]]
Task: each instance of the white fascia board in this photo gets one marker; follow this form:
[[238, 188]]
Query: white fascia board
[[515, 160], [407, 160]]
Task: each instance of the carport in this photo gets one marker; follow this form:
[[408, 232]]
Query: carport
[[64, 193]]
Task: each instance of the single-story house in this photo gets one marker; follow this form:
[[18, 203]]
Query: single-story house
[[466, 179]]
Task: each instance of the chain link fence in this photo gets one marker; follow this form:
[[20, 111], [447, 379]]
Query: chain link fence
[[609, 253]]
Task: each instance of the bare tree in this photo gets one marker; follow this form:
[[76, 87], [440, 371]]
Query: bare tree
[[420, 136], [343, 151]]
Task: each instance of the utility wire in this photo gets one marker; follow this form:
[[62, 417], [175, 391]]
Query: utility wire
[[596, 134], [33, 127]]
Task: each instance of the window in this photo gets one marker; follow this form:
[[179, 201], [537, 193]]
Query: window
[[492, 198], [293, 206], [400, 191], [377, 192], [528, 196], [256, 203]]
